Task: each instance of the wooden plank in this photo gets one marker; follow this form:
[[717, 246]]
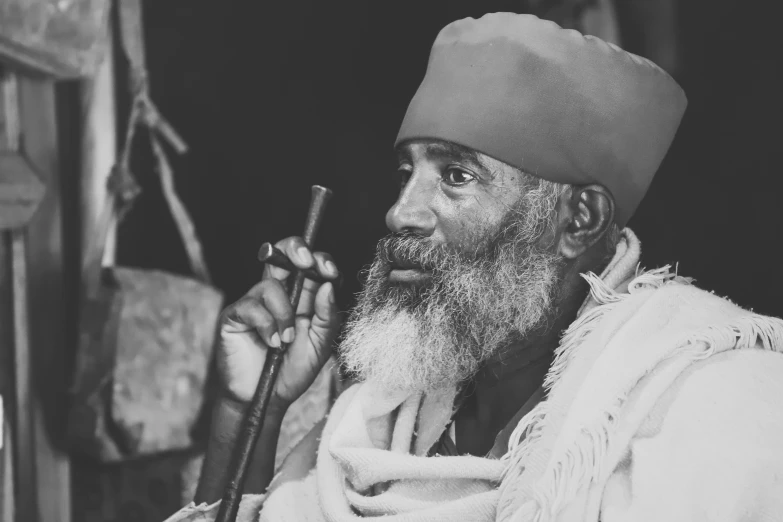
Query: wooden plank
[[7, 504], [26, 492], [47, 301], [11, 175], [7, 492], [7, 489], [98, 149], [6, 285]]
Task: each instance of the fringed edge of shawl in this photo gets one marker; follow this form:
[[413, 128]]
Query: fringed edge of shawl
[[524, 438], [581, 463], [607, 300]]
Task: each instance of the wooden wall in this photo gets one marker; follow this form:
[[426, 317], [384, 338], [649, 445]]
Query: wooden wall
[[34, 349]]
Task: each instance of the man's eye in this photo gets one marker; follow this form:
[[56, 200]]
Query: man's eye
[[455, 176]]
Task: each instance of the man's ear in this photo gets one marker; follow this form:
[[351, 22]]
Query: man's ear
[[585, 217]]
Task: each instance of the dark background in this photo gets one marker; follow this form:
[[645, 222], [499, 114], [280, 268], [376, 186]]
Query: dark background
[[274, 97]]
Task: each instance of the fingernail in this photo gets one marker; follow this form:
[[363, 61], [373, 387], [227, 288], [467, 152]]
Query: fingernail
[[274, 342], [304, 255], [331, 294], [288, 334], [330, 267]]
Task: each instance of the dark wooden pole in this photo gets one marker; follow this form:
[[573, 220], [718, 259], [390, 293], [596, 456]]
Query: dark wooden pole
[[254, 417]]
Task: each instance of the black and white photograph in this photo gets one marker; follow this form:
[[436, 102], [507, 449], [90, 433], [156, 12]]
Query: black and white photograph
[[413, 261]]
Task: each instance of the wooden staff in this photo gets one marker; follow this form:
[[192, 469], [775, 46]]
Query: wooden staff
[[254, 417]]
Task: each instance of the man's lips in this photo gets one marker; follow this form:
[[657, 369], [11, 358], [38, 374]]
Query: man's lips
[[408, 275], [407, 272]]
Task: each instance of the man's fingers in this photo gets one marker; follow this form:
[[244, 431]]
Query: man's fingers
[[321, 328], [325, 265], [324, 323], [302, 257], [328, 270], [295, 249], [325, 306], [270, 296], [248, 314], [275, 298]]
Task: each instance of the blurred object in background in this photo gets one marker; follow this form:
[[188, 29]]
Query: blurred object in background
[[649, 28], [21, 195], [21, 191], [146, 335], [593, 17], [64, 38], [6, 467], [600, 19], [644, 27]]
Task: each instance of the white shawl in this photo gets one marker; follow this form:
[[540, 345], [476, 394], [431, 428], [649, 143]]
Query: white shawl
[[634, 336]]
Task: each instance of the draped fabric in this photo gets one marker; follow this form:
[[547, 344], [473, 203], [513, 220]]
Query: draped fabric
[[638, 376]]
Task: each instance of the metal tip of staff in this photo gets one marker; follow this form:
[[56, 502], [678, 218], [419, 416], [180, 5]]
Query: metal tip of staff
[[265, 252], [322, 189]]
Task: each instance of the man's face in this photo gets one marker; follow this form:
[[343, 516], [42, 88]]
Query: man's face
[[465, 271], [450, 195]]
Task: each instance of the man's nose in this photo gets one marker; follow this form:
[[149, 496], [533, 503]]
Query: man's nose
[[413, 210]]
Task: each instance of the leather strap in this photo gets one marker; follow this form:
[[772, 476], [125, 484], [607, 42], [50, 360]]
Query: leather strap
[[122, 186], [187, 230]]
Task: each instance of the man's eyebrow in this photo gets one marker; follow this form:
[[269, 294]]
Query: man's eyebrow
[[445, 149], [455, 151], [463, 155]]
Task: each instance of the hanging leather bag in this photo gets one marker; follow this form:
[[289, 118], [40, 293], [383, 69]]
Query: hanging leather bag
[[146, 336]]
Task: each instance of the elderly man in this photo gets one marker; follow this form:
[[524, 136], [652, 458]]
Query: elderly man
[[513, 361]]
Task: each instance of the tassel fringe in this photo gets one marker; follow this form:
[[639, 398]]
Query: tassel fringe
[[607, 299]]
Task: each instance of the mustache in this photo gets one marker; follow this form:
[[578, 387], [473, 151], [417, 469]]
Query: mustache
[[410, 250], [407, 249]]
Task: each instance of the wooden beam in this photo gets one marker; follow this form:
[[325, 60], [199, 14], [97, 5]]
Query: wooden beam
[[25, 447], [43, 471], [14, 173], [98, 148]]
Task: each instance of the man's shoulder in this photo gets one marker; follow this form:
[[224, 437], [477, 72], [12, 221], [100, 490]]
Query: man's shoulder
[[744, 379], [711, 447], [732, 396]]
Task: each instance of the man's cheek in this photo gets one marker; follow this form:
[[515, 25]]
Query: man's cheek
[[473, 243]]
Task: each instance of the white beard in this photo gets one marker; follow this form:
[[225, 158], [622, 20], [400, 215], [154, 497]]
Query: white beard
[[403, 340], [397, 352]]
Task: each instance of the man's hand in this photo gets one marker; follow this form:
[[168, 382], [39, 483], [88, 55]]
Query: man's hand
[[264, 318], [261, 319]]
